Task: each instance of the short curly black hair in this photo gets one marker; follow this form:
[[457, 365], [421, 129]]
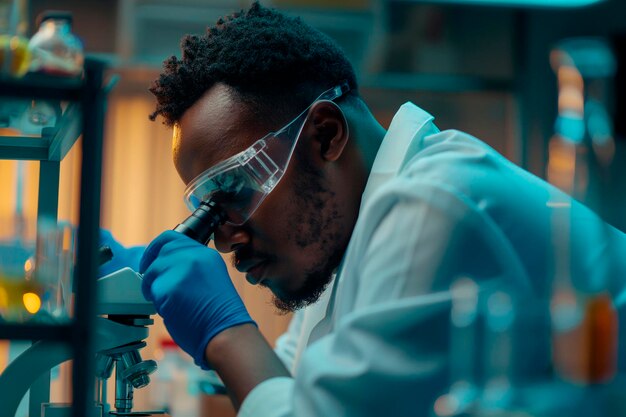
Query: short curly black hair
[[274, 62]]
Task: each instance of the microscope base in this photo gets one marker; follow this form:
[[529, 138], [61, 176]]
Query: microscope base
[[64, 410]]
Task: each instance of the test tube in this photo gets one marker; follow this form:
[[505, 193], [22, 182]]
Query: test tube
[[498, 311]]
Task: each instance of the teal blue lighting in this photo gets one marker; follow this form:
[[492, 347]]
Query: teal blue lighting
[[526, 3]]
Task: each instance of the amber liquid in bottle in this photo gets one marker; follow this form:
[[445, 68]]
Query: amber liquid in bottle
[[587, 353]]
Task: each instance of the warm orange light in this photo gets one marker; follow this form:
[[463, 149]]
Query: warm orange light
[[4, 298], [28, 265], [32, 302], [561, 163], [67, 239], [571, 99], [570, 75]]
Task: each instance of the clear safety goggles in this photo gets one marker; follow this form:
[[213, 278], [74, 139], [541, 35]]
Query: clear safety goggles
[[240, 183]]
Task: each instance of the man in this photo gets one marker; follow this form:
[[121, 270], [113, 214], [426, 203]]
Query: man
[[360, 230]]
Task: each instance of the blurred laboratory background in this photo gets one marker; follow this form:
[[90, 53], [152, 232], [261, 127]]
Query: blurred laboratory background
[[543, 82]]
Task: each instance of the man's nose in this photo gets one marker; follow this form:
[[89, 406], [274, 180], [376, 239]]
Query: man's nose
[[229, 237]]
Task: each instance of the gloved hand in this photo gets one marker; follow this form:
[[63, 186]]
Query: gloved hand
[[122, 256], [190, 288]]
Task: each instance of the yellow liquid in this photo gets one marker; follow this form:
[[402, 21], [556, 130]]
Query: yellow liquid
[[14, 55], [19, 298]]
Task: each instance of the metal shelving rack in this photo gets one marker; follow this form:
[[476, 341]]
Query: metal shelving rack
[[86, 115]]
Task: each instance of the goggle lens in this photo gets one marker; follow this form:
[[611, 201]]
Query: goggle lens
[[236, 191]]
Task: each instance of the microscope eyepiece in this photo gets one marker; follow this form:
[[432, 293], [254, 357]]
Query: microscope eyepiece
[[202, 223]]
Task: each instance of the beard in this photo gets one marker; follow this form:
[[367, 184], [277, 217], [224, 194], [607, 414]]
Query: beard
[[318, 227], [316, 281]]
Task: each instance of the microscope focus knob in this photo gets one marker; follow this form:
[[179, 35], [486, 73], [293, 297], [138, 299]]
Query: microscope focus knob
[[138, 374]]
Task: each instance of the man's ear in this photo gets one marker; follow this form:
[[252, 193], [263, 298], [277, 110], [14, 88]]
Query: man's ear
[[327, 126]]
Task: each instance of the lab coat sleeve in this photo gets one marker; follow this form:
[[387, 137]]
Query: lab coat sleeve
[[388, 355], [427, 236], [271, 398], [354, 371]]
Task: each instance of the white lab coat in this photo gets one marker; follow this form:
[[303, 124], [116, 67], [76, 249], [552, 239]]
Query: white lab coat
[[437, 206]]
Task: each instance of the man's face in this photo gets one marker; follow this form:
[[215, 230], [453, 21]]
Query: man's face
[[297, 236]]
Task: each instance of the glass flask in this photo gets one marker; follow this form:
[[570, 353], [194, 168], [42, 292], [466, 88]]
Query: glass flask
[[55, 49]]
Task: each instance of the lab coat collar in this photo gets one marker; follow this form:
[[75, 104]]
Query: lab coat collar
[[403, 139]]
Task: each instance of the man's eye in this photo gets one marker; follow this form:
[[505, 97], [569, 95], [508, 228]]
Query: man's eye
[[230, 184], [220, 196]]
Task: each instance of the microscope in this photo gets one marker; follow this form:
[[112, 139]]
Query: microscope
[[122, 326], [128, 309]]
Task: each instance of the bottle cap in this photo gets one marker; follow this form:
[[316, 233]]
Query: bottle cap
[[54, 14], [168, 343]]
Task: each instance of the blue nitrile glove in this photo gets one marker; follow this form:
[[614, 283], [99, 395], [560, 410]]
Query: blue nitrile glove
[[122, 257], [190, 288]]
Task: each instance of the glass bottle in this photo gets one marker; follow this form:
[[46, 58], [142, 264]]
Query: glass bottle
[[14, 52], [55, 49], [584, 319]]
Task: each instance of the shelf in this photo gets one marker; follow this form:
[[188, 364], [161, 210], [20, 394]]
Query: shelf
[[522, 4], [17, 147], [42, 87], [444, 83], [60, 332], [54, 143], [84, 102]]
